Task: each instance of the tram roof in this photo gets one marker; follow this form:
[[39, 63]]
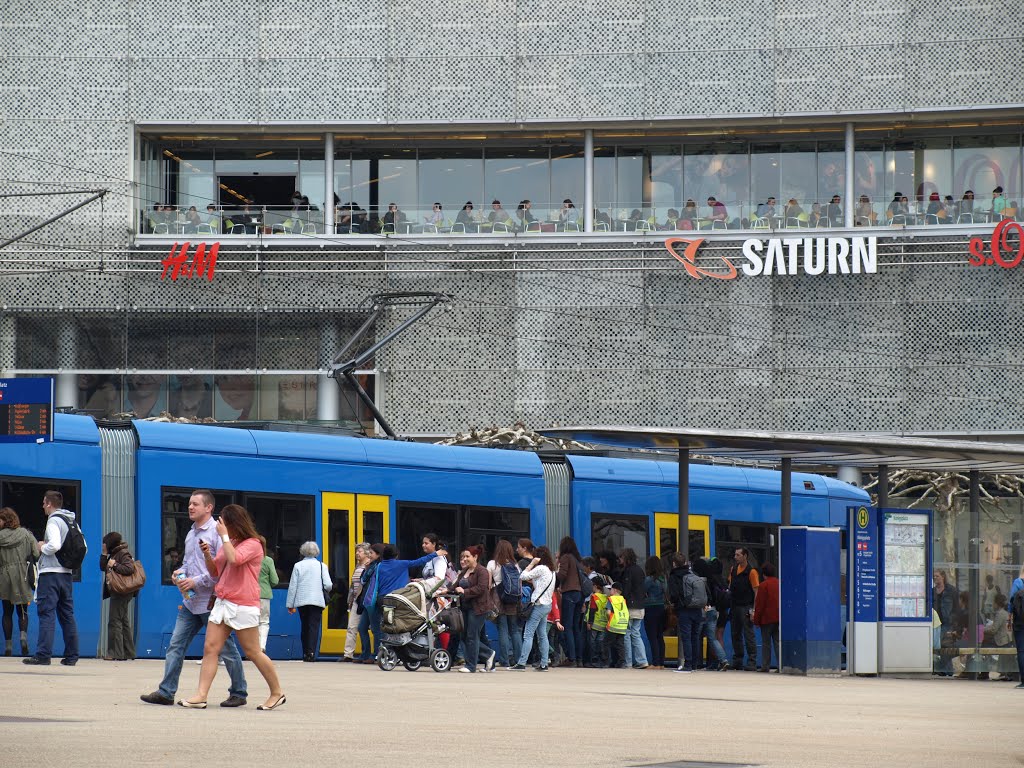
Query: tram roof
[[851, 449]]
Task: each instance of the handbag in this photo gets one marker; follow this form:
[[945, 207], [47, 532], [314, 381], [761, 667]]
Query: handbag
[[121, 584], [30, 574]]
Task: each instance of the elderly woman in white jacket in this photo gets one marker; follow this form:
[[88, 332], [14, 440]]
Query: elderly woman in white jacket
[[307, 590]]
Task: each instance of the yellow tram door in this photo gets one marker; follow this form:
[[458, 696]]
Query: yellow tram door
[[346, 520], [666, 542]]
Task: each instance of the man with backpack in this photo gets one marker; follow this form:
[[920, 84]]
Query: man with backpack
[[62, 551], [689, 595], [1017, 619]]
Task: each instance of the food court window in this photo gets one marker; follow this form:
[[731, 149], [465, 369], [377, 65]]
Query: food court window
[[617, 532]]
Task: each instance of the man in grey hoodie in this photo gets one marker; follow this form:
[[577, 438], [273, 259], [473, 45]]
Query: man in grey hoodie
[[54, 598]]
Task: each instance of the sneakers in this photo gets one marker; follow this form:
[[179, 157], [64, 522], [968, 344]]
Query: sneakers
[[722, 666], [517, 668], [542, 668], [68, 662], [36, 660], [684, 670], [466, 669], [156, 698], [641, 666], [489, 666], [233, 701], [1019, 686]]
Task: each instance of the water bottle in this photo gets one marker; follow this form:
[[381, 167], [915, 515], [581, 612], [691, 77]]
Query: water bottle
[[189, 594]]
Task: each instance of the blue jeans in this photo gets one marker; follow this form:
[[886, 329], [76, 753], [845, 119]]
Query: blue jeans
[[475, 648], [54, 600], [689, 624], [508, 629], [635, 656], [537, 625], [710, 623], [1018, 640], [572, 637], [185, 629], [364, 635]]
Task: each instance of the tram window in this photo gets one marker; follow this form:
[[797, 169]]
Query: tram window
[[747, 533], [697, 545], [339, 564], [416, 519], [26, 498], [668, 540], [287, 524], [499, 519], [175, 525], [617, 532]]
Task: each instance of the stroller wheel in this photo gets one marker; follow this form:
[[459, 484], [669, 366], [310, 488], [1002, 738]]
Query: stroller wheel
[[387, 659], [440, 660], [412, 666]]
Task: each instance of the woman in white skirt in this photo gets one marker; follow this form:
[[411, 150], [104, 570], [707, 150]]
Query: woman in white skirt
[[237, 608]]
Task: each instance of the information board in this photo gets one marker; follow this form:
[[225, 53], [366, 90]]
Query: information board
[[906, 565], [26, 410], [864, 525]]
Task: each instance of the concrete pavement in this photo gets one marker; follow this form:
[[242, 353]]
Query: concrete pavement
[[90, 715]]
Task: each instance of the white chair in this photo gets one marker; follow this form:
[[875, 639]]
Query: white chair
[[931, 218], [761, 222], [500, 226], [643, 226], [571, 226], [387, 229], [458, 226], [308, 229], [719, 224], [204, 229], [533, 226], [601, 226], [965, 218]]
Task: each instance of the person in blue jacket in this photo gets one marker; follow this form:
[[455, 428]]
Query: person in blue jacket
[[391, 574]]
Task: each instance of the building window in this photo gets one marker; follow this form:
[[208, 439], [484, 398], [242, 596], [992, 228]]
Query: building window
[[26, 498], [617, 532], [285, 521]]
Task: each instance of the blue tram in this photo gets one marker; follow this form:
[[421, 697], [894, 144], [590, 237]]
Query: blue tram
[[137, 477]]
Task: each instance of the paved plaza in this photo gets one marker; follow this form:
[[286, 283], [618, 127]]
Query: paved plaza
[[90, 715]]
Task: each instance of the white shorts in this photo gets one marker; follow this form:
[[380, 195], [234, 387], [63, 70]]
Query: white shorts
[[234, 615]]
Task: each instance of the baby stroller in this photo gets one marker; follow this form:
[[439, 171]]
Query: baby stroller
[[410, 621]]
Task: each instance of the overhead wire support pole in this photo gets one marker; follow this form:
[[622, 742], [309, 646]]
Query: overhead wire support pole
[[52, 219], [380, 302]]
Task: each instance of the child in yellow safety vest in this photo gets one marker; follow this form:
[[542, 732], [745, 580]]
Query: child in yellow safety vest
[[618, 623], [597, 624]]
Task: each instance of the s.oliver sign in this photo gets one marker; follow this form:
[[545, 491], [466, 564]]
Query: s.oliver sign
[[1005, 249]]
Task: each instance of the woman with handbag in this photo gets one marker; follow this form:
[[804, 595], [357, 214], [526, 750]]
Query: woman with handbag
[[116, 559], [474, 585], [18, 552], [308, 589]]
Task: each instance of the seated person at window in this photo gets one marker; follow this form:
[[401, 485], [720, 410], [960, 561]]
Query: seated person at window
[[192, 220], [671, 219], [688, 215], [767, 208], [949, 206], [718, 210], [569, 214], [898, 208], [967, 204], [465, 217], [793, 209], [834, 211], [248, 218], [523, 215], [343, 217], [393, 217], [864, 216], [436, 217], [498, 215], [998, 202], [213, 218], [360, 220], [935, 206], [600, 217], [816, 215], [635, 217]]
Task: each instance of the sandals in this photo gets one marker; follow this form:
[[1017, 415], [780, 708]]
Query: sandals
[[191, 704], [279, 703]]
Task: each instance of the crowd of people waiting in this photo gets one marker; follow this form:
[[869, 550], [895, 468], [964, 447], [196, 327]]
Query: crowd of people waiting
[[566, 610]]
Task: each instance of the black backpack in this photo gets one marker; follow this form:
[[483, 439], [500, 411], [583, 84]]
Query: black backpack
[[1017, 609], [510, 590], [586, 585], [73, 548]]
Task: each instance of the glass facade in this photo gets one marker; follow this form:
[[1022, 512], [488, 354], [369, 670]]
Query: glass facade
[[459, 184]]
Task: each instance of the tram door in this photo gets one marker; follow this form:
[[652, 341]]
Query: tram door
[[666, 543], [347, 519]]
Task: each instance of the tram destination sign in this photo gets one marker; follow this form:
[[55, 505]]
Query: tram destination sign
[[26, 410]]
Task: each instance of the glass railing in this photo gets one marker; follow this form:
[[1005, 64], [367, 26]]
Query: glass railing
[[611, 217]]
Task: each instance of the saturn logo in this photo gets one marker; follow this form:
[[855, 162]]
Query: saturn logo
[[688, 258]]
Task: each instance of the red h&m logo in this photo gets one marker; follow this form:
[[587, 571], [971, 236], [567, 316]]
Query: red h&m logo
[[202, 264], [1000, 244]]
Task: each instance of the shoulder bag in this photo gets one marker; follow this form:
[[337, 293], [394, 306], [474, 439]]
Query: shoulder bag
[[120, 584]]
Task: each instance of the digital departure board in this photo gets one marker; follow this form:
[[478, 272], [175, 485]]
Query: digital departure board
[[26, 410]]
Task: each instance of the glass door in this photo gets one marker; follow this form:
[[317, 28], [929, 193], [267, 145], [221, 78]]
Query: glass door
[[666, 544]]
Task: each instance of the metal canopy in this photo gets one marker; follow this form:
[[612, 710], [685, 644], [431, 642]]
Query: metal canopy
[[847, 449]]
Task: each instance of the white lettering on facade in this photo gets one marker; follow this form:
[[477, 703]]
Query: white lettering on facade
[[814, 255]]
